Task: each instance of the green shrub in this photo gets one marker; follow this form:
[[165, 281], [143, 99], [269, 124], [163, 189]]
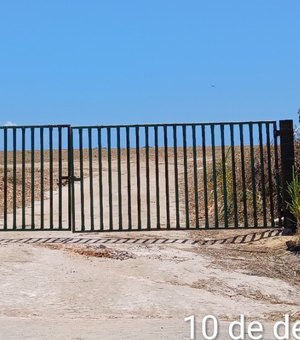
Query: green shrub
[[294, 192]]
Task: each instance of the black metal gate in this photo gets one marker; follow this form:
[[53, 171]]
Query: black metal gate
[[34, 194], [141, 177], [176, 176]]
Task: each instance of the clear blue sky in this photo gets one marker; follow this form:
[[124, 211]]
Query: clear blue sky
[[125, 61]]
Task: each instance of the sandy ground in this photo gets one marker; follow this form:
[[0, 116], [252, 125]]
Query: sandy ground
[[124, 216], [85, 204], [137, 286], [141, 285]]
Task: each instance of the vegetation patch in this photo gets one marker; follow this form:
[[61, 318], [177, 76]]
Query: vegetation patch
[[99, 251]]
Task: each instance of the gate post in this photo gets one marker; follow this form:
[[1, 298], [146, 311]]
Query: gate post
[[287, 154]]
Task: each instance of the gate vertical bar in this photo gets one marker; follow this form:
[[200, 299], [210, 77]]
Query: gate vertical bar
[[215, 184], [5, 178], [287, 167], [128, 179], [167, 177], [23, 178], [119, 178], [157, 177], [242, 150], [196, 198], [60, 178], [262, 175], [276, 134], [203, 136], [42, 176], [138, 176], [270, 182], [100, 183], [32, 178], [82, 208], [175, 147], [14, 178], [71, 198], [186, 183], [148, 178], [252, 156], [233, 165], [90, 145], [224, 176], [51, 174], [109, 169]]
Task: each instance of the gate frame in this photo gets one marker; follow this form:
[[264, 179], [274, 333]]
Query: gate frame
[[284, 173]]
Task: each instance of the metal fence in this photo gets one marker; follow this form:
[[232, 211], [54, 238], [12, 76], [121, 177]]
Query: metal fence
[[140, 177], [34, 161]]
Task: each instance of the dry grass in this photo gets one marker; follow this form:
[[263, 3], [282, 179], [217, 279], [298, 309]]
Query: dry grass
[[265, 257], [28, 184], [45, 179], [229, 182], [260, 183]]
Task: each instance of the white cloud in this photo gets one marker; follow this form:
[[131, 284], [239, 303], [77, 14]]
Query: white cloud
[[9, 123]]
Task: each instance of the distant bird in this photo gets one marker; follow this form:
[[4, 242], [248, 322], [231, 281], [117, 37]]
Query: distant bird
[[212, 85]]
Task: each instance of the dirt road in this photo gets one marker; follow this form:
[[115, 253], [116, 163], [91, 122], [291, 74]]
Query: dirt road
[[138, 285], [58, 279]]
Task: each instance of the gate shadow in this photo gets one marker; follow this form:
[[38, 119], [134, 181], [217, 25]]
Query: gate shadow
[[238, 239]]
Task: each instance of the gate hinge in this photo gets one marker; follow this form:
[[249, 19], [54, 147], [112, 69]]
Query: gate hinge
[[276, 133]]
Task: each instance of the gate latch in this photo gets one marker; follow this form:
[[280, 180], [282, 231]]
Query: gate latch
[[70, 179]]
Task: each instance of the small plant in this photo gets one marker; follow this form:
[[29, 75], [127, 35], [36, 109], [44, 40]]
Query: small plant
[[234, 185], [294, 193]]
